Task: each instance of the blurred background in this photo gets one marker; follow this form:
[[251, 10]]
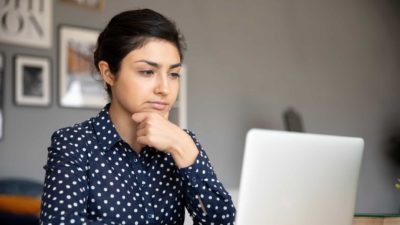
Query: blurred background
[[335, 62]]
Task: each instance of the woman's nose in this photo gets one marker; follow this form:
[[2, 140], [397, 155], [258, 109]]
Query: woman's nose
[[162, 86]]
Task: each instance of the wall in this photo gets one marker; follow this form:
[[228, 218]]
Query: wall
[[336, 62]]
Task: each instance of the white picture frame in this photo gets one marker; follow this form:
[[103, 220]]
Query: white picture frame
[[32, 80], [1, 95], [80, 83], [27, 23], [178, 113], [87, 4]]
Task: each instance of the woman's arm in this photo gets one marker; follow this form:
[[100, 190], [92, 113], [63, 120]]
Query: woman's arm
[[66, 188], [206, 198]]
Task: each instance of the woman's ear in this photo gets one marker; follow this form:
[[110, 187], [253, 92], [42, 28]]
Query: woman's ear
[[105, 72]]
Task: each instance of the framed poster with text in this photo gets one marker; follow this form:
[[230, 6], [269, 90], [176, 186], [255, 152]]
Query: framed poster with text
[[26, 22]]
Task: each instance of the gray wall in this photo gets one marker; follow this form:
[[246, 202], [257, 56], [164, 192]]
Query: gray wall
[[337, 62]]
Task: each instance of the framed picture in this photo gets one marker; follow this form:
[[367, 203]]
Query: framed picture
[[1, 94], [178, 113], [27, 23], [32, 80], [90, 4], [80, 84]]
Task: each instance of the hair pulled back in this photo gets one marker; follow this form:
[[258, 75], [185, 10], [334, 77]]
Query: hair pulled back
[[130, 30]]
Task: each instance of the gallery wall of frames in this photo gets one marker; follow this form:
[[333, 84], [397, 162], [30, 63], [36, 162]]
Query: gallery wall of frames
[[79, 84]]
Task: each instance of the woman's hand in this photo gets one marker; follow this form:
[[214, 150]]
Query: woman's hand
[[156, 131]]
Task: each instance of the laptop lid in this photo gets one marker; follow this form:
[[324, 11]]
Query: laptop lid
[[293, 178]]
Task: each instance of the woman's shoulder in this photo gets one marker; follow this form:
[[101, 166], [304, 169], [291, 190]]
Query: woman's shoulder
[[69, 145], [77, 131]]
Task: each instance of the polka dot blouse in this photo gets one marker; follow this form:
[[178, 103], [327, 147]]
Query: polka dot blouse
[[94, 177]]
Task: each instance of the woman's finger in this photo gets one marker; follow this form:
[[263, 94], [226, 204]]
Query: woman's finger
[[144, 140], [141, 125], [142, 132]]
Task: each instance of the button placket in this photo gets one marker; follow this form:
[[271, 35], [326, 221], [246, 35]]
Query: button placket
[[143, 181]]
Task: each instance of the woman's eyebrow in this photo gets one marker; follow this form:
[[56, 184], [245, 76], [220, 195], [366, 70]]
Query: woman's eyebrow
[[154, 64]]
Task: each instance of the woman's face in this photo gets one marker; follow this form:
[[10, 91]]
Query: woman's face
[[148, 80]]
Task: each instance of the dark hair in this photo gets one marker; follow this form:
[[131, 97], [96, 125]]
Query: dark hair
[[130, 30]]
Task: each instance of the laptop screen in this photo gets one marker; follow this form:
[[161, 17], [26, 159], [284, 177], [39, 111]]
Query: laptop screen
[[293, 178]]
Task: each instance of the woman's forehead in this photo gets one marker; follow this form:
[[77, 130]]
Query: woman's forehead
[[158, 51]]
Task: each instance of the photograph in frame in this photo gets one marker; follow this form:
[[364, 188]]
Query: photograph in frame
[[32, 80], [1, 95], [80, 83]]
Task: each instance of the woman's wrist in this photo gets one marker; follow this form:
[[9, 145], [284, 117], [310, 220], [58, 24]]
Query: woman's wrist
[[185, 152]]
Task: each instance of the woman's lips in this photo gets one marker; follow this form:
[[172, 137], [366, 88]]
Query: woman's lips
[[158, 105]]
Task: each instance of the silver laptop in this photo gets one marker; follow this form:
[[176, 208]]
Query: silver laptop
[[293, 178]]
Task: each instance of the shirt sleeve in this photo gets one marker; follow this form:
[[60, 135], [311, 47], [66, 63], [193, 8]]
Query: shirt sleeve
[[66, 188], [206, 198]]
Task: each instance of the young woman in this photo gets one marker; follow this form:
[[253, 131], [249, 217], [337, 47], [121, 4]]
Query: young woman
[[129, 164]]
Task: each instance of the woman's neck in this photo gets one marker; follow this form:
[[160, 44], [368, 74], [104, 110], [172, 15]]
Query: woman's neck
[[125, 126]]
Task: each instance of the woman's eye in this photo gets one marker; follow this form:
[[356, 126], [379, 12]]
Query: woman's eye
[[146, 72], [175, 75]]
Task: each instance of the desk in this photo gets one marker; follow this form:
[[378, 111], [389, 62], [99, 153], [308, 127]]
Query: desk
[[371, 219]]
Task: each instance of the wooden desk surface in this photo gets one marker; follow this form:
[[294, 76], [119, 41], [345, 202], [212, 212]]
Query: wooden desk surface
[[376, 220]]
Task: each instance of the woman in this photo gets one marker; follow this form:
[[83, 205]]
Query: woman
[[129, 164]]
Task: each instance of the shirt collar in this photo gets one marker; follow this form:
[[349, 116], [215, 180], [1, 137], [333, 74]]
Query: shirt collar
[[104, 129]]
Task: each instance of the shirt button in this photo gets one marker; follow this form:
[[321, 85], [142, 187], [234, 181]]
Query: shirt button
[[150, 216], [193, 179]]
